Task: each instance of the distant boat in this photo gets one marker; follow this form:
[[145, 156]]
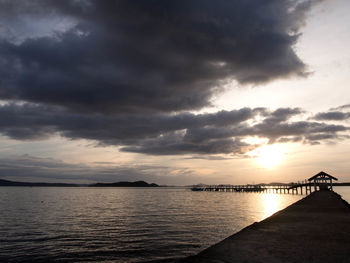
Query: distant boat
[[197, 189]]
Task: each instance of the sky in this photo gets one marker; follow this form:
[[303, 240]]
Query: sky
[[174, 92]]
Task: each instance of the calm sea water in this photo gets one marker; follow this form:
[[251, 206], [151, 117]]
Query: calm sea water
[[124, 224]]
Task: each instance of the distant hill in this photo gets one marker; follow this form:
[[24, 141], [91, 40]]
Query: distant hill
[[197, 185], [119, 184], [12, 183], [125, 184]]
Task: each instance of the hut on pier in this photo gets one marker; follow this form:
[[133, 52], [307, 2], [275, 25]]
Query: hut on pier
[[323, 181]]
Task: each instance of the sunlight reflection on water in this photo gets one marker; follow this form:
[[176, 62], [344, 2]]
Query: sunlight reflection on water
[[270, 203], [123, 224]]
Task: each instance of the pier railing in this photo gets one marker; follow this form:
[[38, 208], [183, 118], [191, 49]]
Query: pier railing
[[303, 187]]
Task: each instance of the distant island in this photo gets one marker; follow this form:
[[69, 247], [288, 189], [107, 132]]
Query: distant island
[[125, 184], [118, 184], [13, 183]]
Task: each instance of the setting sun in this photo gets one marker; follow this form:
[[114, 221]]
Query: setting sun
[[269, 156]]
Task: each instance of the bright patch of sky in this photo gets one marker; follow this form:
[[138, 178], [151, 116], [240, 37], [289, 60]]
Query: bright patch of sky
[[324, 47]]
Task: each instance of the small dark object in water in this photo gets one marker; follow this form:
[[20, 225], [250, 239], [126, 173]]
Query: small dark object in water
[[197, 189]]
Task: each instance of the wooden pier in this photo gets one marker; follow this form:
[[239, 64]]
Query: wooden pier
[[319, 181]]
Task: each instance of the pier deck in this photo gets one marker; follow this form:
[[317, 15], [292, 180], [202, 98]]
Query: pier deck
[[314, 229], [281, 189]]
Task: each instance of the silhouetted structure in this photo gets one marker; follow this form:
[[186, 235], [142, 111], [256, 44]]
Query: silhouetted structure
[[323, 181], [320, 181]]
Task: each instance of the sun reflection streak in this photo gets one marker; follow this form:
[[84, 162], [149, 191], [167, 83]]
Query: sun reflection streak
[[270, 204]]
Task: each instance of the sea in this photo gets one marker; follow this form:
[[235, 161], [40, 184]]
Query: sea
[[163, 224]]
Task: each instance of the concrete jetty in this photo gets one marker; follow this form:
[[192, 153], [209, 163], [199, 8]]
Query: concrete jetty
[[314, 229]]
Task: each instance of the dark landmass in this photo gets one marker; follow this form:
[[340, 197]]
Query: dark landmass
[[198, 185], [125, 184], [119, 184], [12, 183], [314, 229]]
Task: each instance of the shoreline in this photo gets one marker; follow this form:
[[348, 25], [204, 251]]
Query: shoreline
[[313, 229]]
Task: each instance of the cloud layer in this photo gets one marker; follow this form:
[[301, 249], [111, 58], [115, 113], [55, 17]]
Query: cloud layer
[[223, 132], [143, 56], [127, 73], [29, 168]]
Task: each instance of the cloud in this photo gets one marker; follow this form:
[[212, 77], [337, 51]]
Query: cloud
[[333, 115], [223, 132], [276, 130], [32, 168], [209, 158], [37, 121], [342, 107], [144, 56], [175, 144], [340, 113]]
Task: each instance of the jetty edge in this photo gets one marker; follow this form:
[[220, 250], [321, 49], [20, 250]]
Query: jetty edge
[[313, 229]]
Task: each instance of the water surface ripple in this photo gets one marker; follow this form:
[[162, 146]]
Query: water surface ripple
[[49, 224]]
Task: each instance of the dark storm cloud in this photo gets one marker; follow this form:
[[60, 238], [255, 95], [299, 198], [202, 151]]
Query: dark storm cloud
[[175, 144], [298, 129], [145, 56], [39, 121], [222, 132]]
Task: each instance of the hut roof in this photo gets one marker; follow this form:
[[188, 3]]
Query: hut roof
[[322, 175]]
